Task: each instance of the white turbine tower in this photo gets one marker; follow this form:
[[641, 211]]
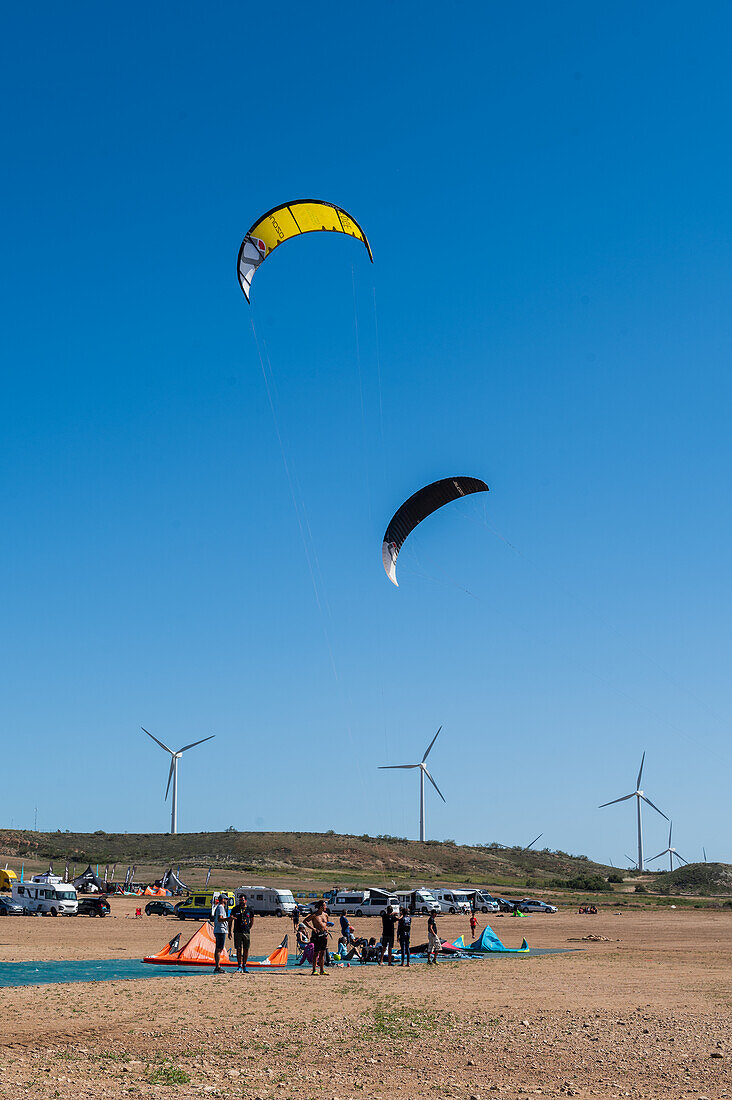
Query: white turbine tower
[[638, 794], [670, 852], [422, 773], [173, 773]]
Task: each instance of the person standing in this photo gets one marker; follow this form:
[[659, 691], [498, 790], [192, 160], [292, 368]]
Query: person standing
[[473, 924], [404, 931], [240, 923], [433, 940], [318, 921], [388, 922], [220, 927], [296, 918]]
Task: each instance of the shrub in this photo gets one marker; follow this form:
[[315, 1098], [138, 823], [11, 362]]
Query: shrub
[[640, 888], [614, 877]]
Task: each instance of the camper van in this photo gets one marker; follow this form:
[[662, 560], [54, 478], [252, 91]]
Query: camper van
[[267, 901], [46, 894], [482, 901], [363, 903], [452, 901], [418, 901]]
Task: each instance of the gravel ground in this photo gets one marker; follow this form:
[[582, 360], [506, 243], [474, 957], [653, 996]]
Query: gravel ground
[[645, 1012]]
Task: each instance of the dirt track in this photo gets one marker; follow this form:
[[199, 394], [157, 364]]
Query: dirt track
[[646, 1014]]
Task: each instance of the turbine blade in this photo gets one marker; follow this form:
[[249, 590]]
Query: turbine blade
[[533, 842], [170, 776], [654, 807], [389, 767], [435, 785], [640, 772], [704, 853], [623, 799], [664, 853], [671, 825], [430, 745], [194, 743], [162, 746], [680, 857]]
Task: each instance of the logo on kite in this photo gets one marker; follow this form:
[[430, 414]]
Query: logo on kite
[[259, 245]]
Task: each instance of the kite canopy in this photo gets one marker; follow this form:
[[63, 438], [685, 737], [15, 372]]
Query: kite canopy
[[420, 505], [291, 219], [200, 948], [488, 942]]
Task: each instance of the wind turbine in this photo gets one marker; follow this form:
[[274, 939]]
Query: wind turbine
[[173, 773], [533, 842], [671, 852], [638, 794], [422, 773]]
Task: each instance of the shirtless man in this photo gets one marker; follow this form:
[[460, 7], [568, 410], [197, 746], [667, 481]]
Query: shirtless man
[[319, 923]]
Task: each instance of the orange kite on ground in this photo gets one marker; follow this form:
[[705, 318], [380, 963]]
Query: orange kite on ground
[[199, 951]]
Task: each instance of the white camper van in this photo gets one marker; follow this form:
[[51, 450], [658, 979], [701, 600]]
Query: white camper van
[[452, 901], [363, 903], [267, 900], [418, 901], [47, 894]]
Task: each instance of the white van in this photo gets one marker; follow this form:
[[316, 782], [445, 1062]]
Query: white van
[[481, 900], [363, 903], [452, 901], [418, 901], [267, 900], [47, 894]]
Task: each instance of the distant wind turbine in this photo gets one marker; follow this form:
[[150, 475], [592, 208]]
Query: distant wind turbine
[[422, 773], [173, 773], [704, 853], [670, 852], [640, 797], [533, 842]]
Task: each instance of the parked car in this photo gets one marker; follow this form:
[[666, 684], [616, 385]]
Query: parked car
[[160, 909], [506, 905], [10, 908], [94, 907], [200, 906], [530, 905]]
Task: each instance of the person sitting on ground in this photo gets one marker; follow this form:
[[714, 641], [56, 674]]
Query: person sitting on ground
[[220, 927], [240, 922], [372, 952], [345, 952], [404, 931], [434, 944], [318, 920], [388, 922]]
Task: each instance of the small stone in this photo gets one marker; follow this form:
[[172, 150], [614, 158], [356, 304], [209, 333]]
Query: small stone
[[716, 1054]]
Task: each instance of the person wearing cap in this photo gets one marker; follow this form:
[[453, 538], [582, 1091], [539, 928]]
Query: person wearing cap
[[240, 923], [220, 926]]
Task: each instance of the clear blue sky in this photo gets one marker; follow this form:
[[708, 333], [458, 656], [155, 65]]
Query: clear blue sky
[[546, 191]]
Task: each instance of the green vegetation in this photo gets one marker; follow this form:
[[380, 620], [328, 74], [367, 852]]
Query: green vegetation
[[168, 1074], [591, 883], [705, 879], [329, 857]]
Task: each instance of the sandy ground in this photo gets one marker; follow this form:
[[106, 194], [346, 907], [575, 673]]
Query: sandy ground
[[647, 1014]]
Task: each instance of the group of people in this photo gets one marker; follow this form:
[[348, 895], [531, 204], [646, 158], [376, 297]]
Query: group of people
[[312, 941], [238, 923]]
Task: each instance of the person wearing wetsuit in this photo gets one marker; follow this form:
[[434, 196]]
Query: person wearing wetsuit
[[404, 931], [388, 922]]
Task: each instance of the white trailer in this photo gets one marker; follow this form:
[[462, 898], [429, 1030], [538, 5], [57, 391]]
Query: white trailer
[[267, 900]]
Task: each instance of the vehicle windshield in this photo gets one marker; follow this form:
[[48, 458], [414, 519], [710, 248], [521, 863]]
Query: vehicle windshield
[[286, 895], [66, 895]]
